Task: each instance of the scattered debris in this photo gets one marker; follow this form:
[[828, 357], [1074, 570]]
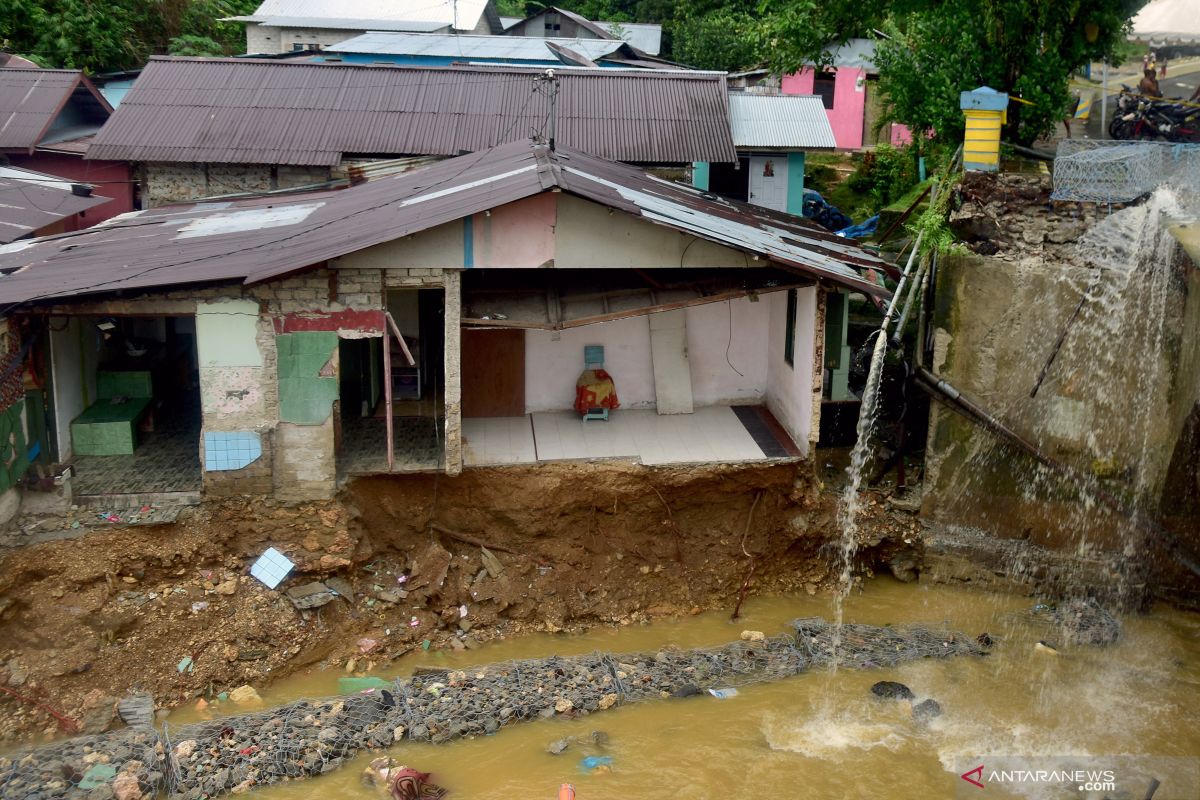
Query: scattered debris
[[723, 694], [310, 595]]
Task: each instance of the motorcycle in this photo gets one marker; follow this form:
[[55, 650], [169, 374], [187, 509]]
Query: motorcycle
[[1140, 117]]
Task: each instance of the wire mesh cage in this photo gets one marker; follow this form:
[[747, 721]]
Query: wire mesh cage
[[1103, 171], [129, 762]]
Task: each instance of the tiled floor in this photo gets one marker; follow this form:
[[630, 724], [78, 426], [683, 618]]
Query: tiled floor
[[167, 460], [498, 440], [712, 434], [364, 445]]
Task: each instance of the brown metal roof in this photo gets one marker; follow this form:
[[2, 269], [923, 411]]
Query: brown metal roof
[[32, 200], [279, 112], [263, 238], [31, 99]]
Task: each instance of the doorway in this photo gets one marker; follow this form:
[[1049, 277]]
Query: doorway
[[768, 182]]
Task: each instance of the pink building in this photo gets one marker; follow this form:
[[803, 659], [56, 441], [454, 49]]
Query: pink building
[[850, 93]]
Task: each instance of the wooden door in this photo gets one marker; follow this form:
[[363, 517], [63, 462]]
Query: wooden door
[[493, 373]]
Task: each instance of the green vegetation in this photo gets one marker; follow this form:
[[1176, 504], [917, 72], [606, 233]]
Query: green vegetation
[[119, 34]]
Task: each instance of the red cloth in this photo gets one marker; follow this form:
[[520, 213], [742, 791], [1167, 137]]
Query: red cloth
[[595, 389]]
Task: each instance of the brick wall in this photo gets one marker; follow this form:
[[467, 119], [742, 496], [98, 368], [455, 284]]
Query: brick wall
[[164, 183]]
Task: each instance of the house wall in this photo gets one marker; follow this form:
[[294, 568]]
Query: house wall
[[74, 352], [794, 390], [266, 39], [111, 178], [554, 359], [165, 183], [849, 102]]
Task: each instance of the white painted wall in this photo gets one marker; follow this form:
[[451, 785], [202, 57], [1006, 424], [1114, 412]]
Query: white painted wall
[[552, 367], [714, 382], [790, 386], [73, 359]]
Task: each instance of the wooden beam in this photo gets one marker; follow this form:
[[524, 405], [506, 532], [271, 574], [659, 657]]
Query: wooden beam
[[387, 398], [403, 345]]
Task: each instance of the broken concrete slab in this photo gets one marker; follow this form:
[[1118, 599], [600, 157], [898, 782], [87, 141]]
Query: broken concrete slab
[[310, 595], [137, 710]]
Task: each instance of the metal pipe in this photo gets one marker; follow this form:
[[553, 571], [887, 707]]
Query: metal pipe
[[976, 413], [922, 271]]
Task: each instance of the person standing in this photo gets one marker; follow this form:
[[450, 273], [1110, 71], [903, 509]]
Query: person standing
[[1162, 69]]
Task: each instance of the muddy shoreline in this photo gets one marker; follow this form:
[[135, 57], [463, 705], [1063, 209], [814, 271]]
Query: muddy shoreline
[[171, 610]]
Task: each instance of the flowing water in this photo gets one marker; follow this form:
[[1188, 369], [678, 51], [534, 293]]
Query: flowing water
[[822, 734]]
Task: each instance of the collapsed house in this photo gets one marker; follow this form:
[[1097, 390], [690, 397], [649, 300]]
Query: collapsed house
[[458, 315]]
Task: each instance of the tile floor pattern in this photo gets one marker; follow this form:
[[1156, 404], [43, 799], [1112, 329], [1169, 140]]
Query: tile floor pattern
[[711, 434], [167, 460], [364, 445]]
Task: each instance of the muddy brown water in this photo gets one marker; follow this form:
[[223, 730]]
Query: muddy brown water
[[821, 734]]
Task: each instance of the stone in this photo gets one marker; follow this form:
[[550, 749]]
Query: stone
[[137, 709], [97, 712], [927, 709], [491, 563], [391, 597], [430, 567], [753, 636], [563, 705], [342, 587], [559, 746], [227, 587], [17, 675], [687, 691], [245, 696], [310, 595], [125, 787], [184, 749], [892, 690], [329, 734], [608, 701]]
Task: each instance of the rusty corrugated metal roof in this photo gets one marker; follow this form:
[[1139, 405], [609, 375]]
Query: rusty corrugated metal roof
[[31, 99], [259, 239], [277, 112], [31, 200]]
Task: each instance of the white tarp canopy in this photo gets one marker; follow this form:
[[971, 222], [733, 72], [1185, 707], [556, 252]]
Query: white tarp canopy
[[1164, 22]]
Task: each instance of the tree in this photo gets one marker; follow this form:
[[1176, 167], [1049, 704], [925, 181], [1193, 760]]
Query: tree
[[933, 49]]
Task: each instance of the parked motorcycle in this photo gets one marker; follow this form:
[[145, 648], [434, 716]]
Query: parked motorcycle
[[1140, 117]]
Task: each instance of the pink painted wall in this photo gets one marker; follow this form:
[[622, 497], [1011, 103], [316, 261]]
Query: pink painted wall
[[111, 178], [849, 102], [518, 234]]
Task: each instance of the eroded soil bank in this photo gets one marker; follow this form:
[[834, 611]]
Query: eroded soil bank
[[171, 610]]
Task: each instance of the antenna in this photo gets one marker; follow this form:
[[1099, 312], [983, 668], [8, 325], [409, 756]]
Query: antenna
[[552, 80]]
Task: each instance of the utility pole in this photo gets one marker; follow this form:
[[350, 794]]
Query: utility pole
[[550, 79]]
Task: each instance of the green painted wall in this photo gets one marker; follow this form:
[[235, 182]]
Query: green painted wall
[[700, 175], [14, 455], [795, 194], [305, 395]]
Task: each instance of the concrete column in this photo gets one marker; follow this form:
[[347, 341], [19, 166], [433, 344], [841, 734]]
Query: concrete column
[[453, 369]]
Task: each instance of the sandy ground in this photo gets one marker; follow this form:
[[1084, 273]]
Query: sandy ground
[[84, 622]]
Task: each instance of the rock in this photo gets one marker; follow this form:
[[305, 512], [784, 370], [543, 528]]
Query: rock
[[490, 562], [559, 746], [125, 787], [599, 738], [367, 645], [927, 709], [184, 749], [342, 587], [17, 675], [608, 701], [1046, 647], [892, 690], [388, 596], [351, 664], [310, 595], [329, 734], [97, 712], [228, 587], [430, 567], [563, 705], [137, 709], [904, 567], [245, 696], [243, 787], [753, 636], [687, 691]]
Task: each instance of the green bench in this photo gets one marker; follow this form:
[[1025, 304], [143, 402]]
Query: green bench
[[107, 428]]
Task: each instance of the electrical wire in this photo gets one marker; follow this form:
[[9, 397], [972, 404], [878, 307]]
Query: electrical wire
[[729, 342]]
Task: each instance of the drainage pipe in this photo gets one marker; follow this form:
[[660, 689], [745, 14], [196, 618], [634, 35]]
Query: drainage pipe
[[942, 388]]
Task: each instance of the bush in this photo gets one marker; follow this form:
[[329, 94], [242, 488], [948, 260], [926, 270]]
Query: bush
[[884, 174]]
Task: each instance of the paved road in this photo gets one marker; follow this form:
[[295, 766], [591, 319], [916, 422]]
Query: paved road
[[1181, 85]]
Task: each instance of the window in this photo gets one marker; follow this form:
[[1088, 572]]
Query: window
[[789, 342], [823, 87]]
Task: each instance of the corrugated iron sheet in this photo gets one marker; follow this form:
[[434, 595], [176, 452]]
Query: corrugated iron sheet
[[277, 112], [784, 121], [31, 200], [30, 100], [351, 24], [645, 36], [463, 14], [446, 45], [256, 240]]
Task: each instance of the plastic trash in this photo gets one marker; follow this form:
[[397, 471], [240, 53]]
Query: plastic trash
[[723, 694], [566, 792], [185, 664], [355, 685], [593, 763]]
